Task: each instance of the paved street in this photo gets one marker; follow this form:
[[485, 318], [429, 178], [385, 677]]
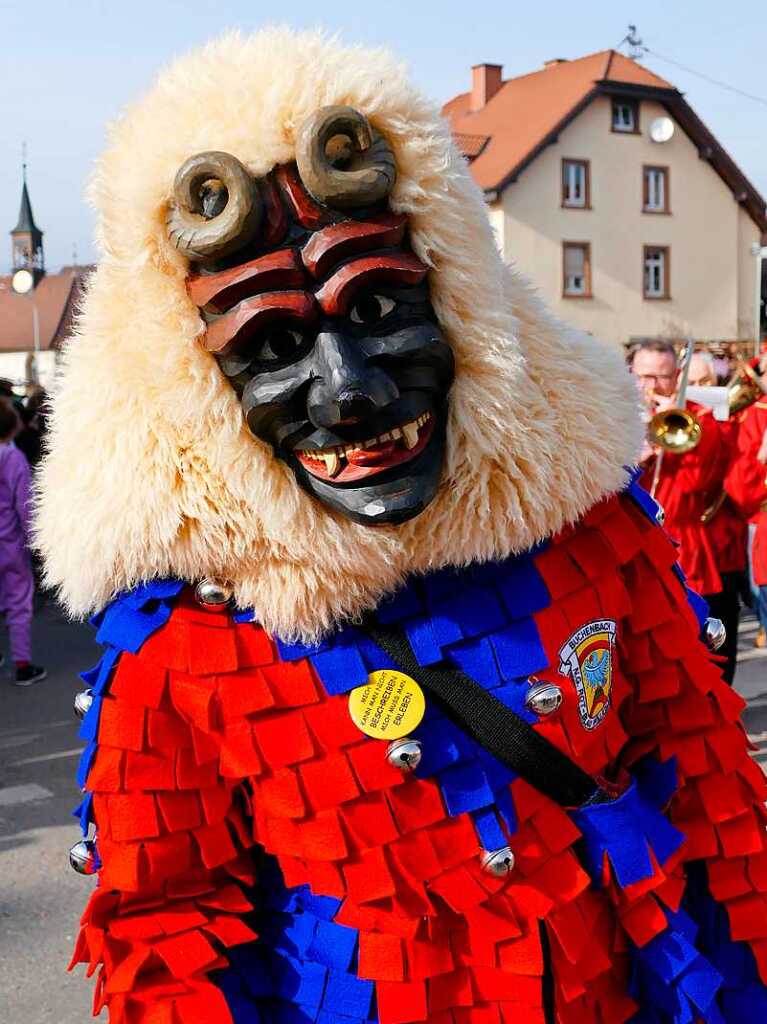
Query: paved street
[[40, 896]]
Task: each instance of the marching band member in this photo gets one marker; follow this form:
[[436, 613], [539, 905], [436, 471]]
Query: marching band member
[[725, 525], [759, 549], [702, 371], [747, 488], [685, 483]]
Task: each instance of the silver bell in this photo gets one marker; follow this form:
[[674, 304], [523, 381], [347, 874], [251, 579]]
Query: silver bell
[[714, 633], [82, 857], [213, 592], [404, 754], [660, 515], [543, 698], [498, 862], [82, 702]]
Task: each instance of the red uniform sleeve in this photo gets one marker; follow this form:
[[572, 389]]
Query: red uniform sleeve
[[171, 835], [680, 708], [745, 480], [725, 524]]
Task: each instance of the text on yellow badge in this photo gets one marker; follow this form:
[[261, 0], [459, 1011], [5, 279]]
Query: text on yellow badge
[[388, 706]]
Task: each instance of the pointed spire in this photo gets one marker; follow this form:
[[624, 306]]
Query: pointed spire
[[26, 237], [26, 217], [26, 220]]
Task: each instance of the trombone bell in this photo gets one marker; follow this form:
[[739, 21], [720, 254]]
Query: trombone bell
[[675, 430], [743, 389]]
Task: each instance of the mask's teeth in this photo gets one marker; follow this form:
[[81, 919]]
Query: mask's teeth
[[410, 434], [332, 463]]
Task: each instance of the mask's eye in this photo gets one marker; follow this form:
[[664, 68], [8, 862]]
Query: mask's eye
[[279, 345], [371, 308]]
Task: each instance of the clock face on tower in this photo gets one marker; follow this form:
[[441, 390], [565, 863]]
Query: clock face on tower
[[22, 282]]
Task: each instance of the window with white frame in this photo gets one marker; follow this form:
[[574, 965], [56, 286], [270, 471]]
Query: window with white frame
[[576, 263], [656, 266], [575, 183], [655, 189], [624, 116]]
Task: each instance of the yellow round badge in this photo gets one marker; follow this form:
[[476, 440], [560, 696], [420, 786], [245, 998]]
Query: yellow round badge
[[388, 706]]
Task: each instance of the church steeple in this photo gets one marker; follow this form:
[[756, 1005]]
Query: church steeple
[[26, 237]]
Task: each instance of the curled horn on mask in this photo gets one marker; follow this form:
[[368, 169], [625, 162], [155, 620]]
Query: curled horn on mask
[[342, 161], [217, 208]]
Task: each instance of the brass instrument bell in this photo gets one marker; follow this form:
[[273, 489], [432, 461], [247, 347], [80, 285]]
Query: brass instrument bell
[[675, 430], [743, 388]]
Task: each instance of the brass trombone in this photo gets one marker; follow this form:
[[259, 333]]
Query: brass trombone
[[743, 388], [675, 430]]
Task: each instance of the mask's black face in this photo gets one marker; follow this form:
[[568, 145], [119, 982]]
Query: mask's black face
[[324, 327], [351, 390], [319, 314]]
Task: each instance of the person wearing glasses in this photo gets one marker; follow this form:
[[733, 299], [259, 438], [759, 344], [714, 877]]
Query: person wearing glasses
[[687, 484]]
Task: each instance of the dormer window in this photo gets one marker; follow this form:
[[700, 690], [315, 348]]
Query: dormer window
[[625, 116]]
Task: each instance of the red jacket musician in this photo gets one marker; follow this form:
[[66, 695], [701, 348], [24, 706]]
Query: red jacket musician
[[746, 485], [686, 483], [725, 523]]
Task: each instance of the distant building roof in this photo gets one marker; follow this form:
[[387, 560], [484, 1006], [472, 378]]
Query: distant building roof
[[56, 298], [518, 118]]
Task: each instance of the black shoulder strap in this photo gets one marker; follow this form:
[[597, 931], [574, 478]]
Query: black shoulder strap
[[497, 728]]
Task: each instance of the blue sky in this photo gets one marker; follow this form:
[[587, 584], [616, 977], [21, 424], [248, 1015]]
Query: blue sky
[[69, 68]]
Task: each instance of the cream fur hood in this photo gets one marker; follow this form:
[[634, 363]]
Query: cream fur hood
[[151, 470]]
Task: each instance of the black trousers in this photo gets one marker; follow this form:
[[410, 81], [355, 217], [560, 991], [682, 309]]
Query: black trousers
[[726, 606]]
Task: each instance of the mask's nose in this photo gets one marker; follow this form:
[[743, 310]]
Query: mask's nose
[[347, 389]]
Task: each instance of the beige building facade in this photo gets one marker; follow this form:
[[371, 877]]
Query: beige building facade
[[625, 237]]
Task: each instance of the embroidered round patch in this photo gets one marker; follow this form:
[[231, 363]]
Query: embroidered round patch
[[388, 706], [587, 657]]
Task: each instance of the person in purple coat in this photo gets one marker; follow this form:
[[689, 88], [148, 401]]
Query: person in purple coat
[[16, 580]]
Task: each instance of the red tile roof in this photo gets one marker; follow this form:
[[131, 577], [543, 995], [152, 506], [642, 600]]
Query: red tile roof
[[55, 297], [526, 109]]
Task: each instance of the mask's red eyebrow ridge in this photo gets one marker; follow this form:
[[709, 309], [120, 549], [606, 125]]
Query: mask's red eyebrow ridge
[[226, 333], [396, 268], [219, 292], [275, 223], [339, 241], [304, 209]]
